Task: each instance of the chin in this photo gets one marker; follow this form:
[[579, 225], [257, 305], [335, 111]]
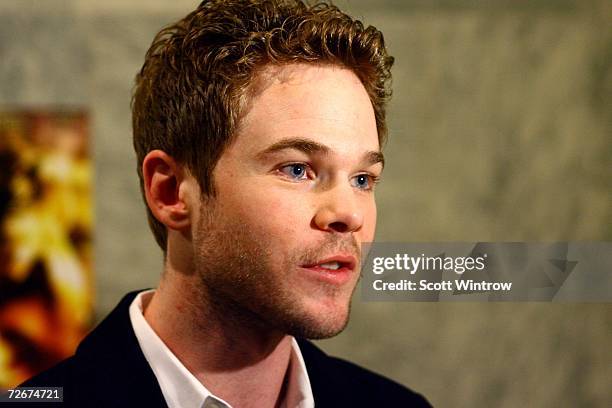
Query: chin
[[320, 321]]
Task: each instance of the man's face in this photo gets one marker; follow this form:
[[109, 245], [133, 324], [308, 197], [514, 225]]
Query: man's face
[[280, 242]]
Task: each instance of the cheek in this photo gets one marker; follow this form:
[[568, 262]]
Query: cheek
[[277, 213]]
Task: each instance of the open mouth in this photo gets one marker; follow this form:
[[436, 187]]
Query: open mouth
[[336, 269], [334, 266], [334, 263]]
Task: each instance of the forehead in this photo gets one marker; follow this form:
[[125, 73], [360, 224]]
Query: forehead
[[324, 103]]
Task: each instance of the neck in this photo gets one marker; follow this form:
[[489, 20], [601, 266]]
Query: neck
[[231, 353]]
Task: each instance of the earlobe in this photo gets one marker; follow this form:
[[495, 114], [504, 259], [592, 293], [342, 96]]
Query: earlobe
[[162, 178]]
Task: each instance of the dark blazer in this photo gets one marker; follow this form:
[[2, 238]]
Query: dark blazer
[[110, 370]]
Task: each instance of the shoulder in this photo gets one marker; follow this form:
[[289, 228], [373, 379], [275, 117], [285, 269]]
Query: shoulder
[[373, 382], [108, 368], [350, 384], [56, 376], [61, 375]]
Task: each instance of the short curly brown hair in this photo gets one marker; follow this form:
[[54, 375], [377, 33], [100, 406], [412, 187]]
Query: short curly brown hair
[[190, 92]]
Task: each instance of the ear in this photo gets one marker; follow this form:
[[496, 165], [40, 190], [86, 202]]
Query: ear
[[165, 186]]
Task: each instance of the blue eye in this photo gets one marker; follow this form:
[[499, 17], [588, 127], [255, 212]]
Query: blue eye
[[296, 171], [364, 181]]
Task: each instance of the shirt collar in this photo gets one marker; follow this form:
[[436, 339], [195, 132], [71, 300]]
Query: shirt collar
[[182, 389], [299, 391]]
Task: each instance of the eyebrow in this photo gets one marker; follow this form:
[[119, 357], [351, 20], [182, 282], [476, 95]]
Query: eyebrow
[[310, 147]]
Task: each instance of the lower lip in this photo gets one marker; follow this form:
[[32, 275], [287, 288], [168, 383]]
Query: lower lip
[[334, 276]]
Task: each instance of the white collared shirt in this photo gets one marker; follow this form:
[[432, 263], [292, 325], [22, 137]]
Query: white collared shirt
[[182, 389]]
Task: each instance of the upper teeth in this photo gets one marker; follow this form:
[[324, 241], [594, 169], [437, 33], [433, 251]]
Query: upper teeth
[[330, 265]]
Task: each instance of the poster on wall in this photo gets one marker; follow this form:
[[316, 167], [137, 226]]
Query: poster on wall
[[46, 283]]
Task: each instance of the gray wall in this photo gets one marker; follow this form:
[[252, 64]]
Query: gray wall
[[499, 130]]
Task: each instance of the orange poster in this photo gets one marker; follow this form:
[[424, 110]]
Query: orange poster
[[46, 288]]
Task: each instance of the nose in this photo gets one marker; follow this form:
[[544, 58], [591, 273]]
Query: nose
[[338, 211]]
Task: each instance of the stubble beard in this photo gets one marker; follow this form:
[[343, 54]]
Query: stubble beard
[[239, 283]]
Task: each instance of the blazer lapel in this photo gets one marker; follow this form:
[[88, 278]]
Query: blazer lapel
[[328, 387]]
